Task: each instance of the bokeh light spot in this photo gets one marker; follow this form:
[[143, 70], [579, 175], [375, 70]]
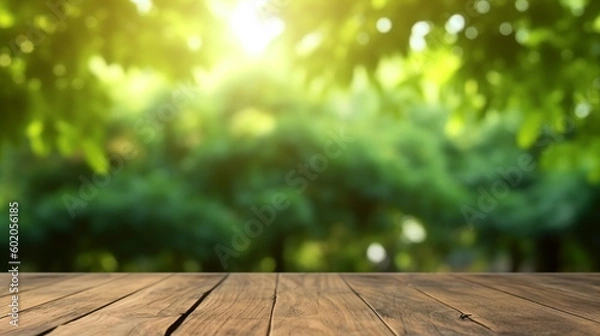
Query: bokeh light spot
[[376, 253], [384, 25]]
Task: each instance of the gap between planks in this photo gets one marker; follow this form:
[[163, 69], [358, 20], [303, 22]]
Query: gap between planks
[[241, 305], [31, 281], [73, 307], [370, 307], [171, 329], [408, 311], [270, 330], [302, 293], [527, 295], [502, 312]]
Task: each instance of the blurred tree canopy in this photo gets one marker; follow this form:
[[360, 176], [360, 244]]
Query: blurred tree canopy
[[400, 135]]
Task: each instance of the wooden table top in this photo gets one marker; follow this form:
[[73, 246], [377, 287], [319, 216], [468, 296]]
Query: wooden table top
[[303, 304]]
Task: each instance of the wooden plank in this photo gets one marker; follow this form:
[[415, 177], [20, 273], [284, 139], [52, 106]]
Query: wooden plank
[[241, 305], [29, 281], [322, 304], [308, 304], [44, 317], [500, 312], [68, 286], [150, 311], [529, 287], [582, 284], [408, 311]]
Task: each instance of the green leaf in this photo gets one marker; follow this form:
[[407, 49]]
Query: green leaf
[[94, 156], [530, 130]]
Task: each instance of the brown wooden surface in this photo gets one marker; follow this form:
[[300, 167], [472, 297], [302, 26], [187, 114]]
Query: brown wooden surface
[[304, 304]]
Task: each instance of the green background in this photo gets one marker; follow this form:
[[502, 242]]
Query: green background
[[377, 135]]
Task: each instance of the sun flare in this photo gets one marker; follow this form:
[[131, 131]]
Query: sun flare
[[253, 27]]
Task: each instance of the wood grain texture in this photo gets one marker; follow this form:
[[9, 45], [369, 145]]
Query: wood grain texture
[[241, 305], [307, 304], [46, 316], [500, 312], [29, 281], [577, 284], [530, 288], [69, 286], [150, 311], [408, 311], [322, 304]]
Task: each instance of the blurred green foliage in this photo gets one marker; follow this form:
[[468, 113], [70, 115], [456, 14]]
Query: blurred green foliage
[[368, 136]]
